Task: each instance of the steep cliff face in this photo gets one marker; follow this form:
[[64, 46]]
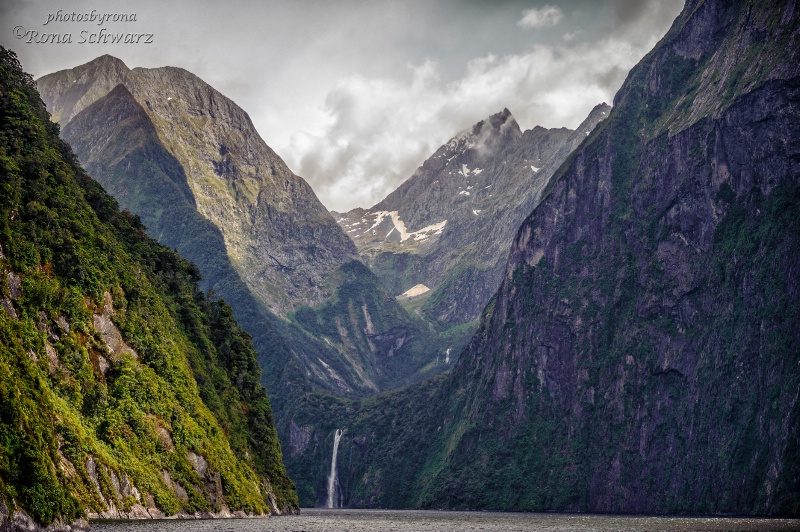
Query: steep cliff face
[[124, 391], [651, 300], [643, 351], [271, 222], [447, 229]]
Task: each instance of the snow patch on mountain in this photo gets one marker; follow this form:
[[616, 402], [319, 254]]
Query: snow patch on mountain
[[416, 290], [400, 226], [466, 172]]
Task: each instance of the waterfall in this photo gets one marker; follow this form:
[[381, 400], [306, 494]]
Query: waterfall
[[333, 480]]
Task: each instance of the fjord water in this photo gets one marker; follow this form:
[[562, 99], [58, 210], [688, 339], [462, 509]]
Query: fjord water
[[324, 520]]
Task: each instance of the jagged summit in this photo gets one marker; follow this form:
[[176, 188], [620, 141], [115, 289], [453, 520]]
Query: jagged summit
[[449, 226], [484, 136], [68, 92]]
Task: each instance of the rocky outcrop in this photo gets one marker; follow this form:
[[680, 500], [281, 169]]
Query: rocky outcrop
[[18, 520], [109, 332], [449, 226]]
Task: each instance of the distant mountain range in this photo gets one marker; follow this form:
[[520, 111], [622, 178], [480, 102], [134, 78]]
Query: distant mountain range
[[189, 162]]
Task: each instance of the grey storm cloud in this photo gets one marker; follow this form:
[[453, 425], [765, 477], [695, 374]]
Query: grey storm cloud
[[355, 94], [629, 11]]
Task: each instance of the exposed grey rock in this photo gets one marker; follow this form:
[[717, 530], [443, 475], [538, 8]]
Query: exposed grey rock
[[14, 285], [52, 358], [165, 439], [8, 306], [20, 521], [103, 364], [62, 323], [179, 491], [109, 332], [199, 463]]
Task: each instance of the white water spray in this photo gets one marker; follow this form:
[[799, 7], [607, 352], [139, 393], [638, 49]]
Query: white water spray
[[333, 479]]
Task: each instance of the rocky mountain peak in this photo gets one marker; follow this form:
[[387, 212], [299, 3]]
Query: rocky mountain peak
[[108, 61], [449, 226], [502, 123], [270, 218], [598, 113], [68, 92], [486, 136]]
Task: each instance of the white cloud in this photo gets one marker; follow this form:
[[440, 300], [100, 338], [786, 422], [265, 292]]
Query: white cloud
[[343, 91], [377, 131], [540, 18]]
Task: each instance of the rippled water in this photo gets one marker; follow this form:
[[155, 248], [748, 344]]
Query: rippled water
[[317, 520]]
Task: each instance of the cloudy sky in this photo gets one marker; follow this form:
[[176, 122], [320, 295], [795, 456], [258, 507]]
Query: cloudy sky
[[355, 94]]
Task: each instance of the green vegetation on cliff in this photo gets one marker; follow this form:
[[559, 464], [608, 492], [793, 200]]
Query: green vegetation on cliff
[[122, 386]]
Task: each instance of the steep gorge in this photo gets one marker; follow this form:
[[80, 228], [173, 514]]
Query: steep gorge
[[643, 351]]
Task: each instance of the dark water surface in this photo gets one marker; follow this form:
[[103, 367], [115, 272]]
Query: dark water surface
[[318, 520]]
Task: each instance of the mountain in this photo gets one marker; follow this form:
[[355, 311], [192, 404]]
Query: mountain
[[441, 239], [188, 161], [642, 354], [270, 220], [125, 392]]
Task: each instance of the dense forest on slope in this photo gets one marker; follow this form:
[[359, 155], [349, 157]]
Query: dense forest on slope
[[124, 390], [643, 352]]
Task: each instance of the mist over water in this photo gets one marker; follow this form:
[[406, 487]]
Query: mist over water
[[324, 520]]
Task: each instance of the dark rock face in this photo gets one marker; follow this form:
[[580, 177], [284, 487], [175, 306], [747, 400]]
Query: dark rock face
[[449, 226], [643, 351], [646, 334]]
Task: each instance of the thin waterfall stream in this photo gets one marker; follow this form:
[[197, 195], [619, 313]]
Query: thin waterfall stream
[[333, 479]]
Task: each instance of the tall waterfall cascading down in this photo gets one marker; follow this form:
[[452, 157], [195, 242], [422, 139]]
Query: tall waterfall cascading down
[[333, 479]]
